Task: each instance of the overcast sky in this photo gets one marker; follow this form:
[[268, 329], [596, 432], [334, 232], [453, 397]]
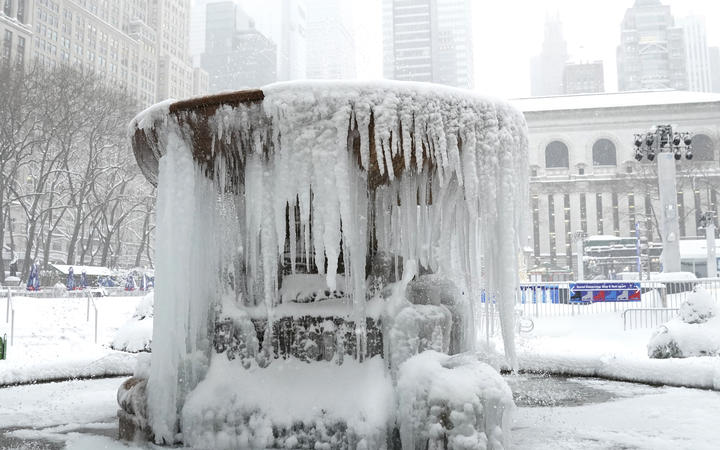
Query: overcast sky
[[508, 33]]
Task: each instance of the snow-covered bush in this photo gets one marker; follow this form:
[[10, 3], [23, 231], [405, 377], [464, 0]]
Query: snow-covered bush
[[699, 307], [136, 334], [695, 332], [677, 339], [453, 402]]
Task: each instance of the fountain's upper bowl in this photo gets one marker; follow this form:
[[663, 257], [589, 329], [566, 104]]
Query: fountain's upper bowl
[[388, 127]]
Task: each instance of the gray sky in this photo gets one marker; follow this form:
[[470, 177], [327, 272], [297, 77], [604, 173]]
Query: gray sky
[[508, 33]]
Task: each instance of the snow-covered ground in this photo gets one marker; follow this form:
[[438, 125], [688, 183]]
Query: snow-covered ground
[[53, 338], [80, 415], [597, 345], [639, 417]]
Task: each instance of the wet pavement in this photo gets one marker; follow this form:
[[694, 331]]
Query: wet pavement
[[542, 390]]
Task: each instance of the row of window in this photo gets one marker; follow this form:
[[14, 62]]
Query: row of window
[[607, 220], [604, 152]]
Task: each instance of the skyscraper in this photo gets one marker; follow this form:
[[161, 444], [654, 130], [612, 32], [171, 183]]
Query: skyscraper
[[583, 78], [697, 54], [428, 40], [330, 43], [715, 68], [547, 69], [236, 55], [651, 54]]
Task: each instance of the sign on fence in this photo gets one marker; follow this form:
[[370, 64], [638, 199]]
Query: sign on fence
[[609, 291]]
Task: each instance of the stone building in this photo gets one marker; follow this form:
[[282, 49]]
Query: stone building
[[584, 177], [15, 31]]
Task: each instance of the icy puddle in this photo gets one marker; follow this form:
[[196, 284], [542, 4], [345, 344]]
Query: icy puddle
[[539, 390]]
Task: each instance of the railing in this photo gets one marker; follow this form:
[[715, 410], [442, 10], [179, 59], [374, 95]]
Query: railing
[[634, 318], [553, 299], [91, 300]]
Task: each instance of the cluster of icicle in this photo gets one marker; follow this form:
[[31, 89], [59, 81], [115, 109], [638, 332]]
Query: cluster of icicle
[[457, 206]]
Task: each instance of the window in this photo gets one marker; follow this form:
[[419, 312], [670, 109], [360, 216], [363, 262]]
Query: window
[[556, 155], [616, 214], [7, 46], [603, 152], [703, 148], [20, 14], [20, 57]]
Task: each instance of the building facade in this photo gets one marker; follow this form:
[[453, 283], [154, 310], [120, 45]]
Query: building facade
[[428, 40], [140, 46], [547, 70], [330, 42], [584, 78], [584, 177], [651, 54], [697, 54], [16, 31]]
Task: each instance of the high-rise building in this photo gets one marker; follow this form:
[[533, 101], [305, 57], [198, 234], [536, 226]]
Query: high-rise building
[[548, 69], [714, 56], [584, 78], [137, 45], [651, 54], [696, 54], [236, 55], [171, 21], [330, 43], [428, 40], [15, 31]]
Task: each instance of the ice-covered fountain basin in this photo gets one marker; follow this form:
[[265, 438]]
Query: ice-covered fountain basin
[[389, 126]]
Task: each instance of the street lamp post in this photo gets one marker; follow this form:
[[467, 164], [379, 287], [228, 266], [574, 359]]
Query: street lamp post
[[668, 147], [579, 238], [707, 221]]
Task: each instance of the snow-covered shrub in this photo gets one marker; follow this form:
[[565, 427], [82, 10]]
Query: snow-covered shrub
[[453, 402], [699, 307], [135, 335], [677, 339], [695, 332]]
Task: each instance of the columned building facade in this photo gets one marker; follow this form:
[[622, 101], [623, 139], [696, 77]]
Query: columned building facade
[[584, 177]]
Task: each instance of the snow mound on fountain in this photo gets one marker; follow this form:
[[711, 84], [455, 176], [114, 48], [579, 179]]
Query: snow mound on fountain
[[289, 404], [454, 399]]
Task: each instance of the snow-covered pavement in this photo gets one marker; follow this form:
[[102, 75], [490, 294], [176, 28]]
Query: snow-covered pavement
[[54, 338], [80, 415], [640, 417]]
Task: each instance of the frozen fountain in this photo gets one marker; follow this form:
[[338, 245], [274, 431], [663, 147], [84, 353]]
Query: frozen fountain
[[320, 250]]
